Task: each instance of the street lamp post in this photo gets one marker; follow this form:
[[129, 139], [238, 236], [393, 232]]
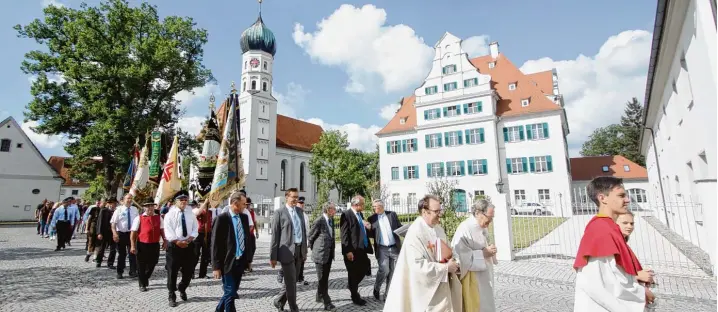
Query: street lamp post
[[660, 180]]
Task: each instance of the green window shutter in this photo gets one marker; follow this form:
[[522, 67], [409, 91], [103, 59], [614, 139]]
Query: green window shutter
[[521, 133], [441, 164], [439, 140], [458, 109], [480, 106], [426, 114], [446, 138], [466, 108], [549, 163], [508, 165], [481, 135], [506, 134], [459, 136], [470, 167], [484, 167], [466, 83], [428, 143], [406, 173], [403, 146], [468, 136], [461, 165], [529, 135], [476, 81], [416, 171], [545, 130], [428, 170], [416, 145], [454, 84], [446, 111], [524, 164], [388, 147], [443, 71], [532, 164], [438, 112]]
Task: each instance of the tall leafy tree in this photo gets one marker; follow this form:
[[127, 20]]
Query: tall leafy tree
[[619, 139], [335, 165], [108, 74]]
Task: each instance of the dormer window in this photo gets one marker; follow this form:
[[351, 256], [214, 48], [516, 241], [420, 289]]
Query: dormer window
[[492, 64], [449, 69], [604, 168], [626, 168], [512, 86], [402, 120], [525, 102]]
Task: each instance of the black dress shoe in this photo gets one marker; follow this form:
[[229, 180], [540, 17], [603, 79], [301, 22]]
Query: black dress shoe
[[329, 307], [173, 302], [119, 276], [87, 258], [57, 249], [111, 267], [318, 298], [305, 283], [377, 295], [97, 265], [183, 295], [359, 301], [143, 288], [133, 274], [279, 306]]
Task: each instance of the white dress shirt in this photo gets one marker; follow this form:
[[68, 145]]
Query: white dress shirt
[[136, 223], [387, 239], [173, 224], [326, 219], [119, 218]]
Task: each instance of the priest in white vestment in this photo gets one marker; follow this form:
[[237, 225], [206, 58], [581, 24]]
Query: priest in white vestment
[[476, 258], [425, 275]]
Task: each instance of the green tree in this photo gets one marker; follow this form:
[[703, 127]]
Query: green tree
[[337, 166], [108, 74], [619, 139], [443, 188]]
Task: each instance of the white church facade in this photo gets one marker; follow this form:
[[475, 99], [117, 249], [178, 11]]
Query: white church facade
[[484, 124]]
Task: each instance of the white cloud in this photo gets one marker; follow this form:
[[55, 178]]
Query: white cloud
[[41, 140], [387, 112], [359, 137], [476, 45], [47, 3], [191, 124], [358, 41], [596, 89], [199, 95], [293, 98], [50, 77]]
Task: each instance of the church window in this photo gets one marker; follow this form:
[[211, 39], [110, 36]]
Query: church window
[[245, 65], [283, 176], [264, 65], [254, 85], [5, 145], [264, 86], [244, 86], [301, 177]]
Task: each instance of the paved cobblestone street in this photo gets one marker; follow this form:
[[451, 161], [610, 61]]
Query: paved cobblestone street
[[35, 278]]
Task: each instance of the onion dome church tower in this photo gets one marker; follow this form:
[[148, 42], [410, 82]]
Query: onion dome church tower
[[258, 108]]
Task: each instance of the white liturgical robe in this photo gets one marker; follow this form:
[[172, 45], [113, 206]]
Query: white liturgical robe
[[602, 285], [468, 243]]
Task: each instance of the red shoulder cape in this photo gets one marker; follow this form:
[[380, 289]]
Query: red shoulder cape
[[603, 238]]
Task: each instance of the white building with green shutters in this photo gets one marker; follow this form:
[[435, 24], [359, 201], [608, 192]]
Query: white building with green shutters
[[484, 125]]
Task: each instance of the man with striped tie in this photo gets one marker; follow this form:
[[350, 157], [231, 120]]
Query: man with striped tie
[[180, 226], [230, 246]]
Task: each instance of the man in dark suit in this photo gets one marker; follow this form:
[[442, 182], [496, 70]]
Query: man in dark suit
[[321, 240], [230, 233], [288, 247], [387, 244], [355, 246], [104, 234]]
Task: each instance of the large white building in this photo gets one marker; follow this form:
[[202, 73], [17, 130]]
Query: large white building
[[680, 119], [26, 179], [276, 149], [483, 123]]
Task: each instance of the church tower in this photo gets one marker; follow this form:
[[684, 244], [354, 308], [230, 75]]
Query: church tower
[[258, 109]]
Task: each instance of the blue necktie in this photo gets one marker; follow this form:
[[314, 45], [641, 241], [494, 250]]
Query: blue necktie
[[363, 230], [240, 236], [129, 221], [184, 225]]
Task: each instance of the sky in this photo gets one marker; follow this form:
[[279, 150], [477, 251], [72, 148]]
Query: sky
[[345, 65]]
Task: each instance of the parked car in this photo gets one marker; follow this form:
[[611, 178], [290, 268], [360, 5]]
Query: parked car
[[529, 208]]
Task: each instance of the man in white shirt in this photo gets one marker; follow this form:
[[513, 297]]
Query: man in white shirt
[[387, 244], [121, 224], [180, 226]]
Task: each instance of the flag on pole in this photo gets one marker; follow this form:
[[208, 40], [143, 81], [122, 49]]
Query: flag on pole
[[169, 180], [210, 150], [229, 174], [130, 175], [154, 170], [142, 175]]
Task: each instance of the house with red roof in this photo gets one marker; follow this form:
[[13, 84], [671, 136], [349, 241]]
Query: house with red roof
[[483, 123], [635, 178]]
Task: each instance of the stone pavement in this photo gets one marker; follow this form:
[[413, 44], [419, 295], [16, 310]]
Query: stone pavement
[[35, 278]]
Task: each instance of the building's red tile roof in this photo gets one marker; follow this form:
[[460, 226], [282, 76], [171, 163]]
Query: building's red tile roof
[[58, 162], [587, 168]]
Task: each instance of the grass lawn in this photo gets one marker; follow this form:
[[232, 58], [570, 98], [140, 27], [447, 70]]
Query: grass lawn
[[527, 230]]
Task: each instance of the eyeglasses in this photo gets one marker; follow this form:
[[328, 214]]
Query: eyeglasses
[[438, 211]]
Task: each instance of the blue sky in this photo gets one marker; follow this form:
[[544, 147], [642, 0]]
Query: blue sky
[[348, 73]]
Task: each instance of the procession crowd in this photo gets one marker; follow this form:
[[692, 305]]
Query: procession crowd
[[420, 269]]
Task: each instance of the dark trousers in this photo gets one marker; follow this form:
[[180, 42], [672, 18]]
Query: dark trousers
[[250, 251], [63, 231], [179, 259], [323, 277], [356, 270], [147, 256], [202, 252], [230, 286], [386, 256], [123, 249], [300, 275], [100, 251], [289, 271]]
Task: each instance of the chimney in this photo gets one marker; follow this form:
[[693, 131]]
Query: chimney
[[494, 49]]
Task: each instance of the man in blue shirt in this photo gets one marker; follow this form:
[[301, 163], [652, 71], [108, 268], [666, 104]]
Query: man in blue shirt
[[63, 220]]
